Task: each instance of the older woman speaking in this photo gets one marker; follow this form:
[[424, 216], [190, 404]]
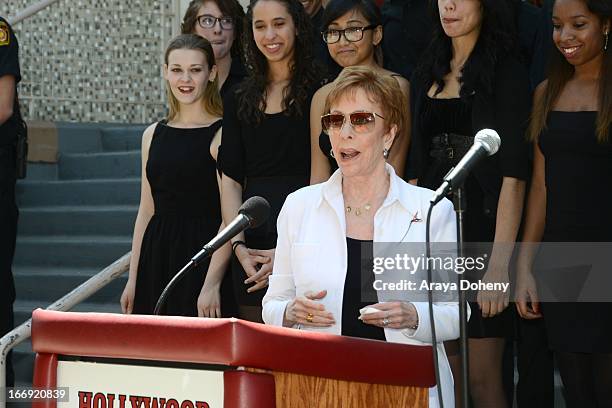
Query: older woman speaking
[[316, 282]]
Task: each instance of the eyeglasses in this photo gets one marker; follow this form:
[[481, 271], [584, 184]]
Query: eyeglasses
[[361, 121], [208, 21], [352, 34]]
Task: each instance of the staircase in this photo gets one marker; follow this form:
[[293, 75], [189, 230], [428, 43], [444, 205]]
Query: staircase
[[76, 217]]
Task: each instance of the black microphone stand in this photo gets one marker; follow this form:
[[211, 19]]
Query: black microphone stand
[[175, 280], [460, 204]]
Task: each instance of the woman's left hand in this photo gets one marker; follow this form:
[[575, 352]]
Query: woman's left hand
[[392, 315], [261, 277], [493, 302]]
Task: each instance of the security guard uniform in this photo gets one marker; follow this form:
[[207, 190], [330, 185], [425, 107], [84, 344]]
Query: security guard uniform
[[9, 65]]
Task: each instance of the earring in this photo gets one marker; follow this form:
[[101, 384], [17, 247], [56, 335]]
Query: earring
[[606, 41], [386, 153], [331, 153]]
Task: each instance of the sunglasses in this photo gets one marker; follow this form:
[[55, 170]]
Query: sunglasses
[[361, 122]]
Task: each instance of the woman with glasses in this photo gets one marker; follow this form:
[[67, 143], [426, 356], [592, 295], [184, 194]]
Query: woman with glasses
[[324, 229], [221, 23], [180, 206], [265, 149], [353, 32], [468, 80]]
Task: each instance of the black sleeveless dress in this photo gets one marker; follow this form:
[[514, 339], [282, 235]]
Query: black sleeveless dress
[[183, 180], [577, 210]]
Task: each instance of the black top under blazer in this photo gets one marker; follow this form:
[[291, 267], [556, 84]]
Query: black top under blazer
[[506, 109]]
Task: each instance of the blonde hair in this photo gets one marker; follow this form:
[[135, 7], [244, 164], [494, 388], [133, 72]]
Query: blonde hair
[[211, 99], [381, 89]]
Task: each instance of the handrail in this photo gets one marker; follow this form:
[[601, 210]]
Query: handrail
[[76, 296], [30, 11]]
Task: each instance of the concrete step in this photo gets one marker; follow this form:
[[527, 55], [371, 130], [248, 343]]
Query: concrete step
[[79, 137], [77, 220], [79, 251], [45, 284], [79, 192], [99, 165], [122, 138], [41, 171], [23, 365]]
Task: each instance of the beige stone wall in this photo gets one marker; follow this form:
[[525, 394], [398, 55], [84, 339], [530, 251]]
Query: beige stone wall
[[94, 61]]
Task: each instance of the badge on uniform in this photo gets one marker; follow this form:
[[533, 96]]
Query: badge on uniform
[[5, 36]]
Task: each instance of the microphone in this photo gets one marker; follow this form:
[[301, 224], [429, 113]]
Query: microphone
[[254, 212], [486, 143]]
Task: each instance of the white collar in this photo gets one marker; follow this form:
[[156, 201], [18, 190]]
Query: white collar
[[399, 190]]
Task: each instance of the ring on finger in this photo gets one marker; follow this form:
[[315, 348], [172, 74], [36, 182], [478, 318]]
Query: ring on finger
[[309, 317], [385, 321]]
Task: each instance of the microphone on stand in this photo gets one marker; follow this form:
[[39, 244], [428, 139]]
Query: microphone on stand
[[486, 143], [252, 213]]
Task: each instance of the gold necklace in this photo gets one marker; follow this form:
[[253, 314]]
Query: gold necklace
[[358, 210]]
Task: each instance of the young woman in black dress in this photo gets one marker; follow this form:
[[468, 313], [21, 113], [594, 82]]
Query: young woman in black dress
[[353, 32], [179, 201], [571, 126], [266, 147], [220, 22], [468, 80]]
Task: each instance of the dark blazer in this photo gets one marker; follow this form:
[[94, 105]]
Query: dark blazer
[[505, 110]]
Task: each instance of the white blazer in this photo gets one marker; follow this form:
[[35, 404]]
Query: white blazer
[[311, 255]]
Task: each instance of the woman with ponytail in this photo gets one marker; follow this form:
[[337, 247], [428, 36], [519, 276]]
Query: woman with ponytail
[[180, 200]]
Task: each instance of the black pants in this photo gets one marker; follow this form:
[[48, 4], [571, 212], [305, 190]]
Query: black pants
[[8, 235]]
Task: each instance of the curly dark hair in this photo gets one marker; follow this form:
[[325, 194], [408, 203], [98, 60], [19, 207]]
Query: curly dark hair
[[230, 8], [304, 69], [497, 38]]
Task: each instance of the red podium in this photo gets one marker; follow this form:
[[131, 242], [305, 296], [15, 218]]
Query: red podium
[[133, 361]]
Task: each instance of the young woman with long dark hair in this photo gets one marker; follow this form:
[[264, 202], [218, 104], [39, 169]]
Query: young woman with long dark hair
[[571, 132], [266, 148], [468, 80]]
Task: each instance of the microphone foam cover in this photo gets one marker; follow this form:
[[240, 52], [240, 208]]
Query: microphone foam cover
[[257, 210], [489, 139]]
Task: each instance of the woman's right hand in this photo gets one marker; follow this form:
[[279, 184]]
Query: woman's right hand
[[209, 302], [127, 297], [305, 310], [250, 261]]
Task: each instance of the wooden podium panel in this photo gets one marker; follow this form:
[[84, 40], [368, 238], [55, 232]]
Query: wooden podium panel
[[299, 391]]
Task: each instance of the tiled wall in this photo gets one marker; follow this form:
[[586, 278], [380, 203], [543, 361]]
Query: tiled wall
[[94, 61]]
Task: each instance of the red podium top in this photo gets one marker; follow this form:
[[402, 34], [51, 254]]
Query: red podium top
[[231, 342]]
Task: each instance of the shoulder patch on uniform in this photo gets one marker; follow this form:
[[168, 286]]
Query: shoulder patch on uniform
[[5, 35]]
